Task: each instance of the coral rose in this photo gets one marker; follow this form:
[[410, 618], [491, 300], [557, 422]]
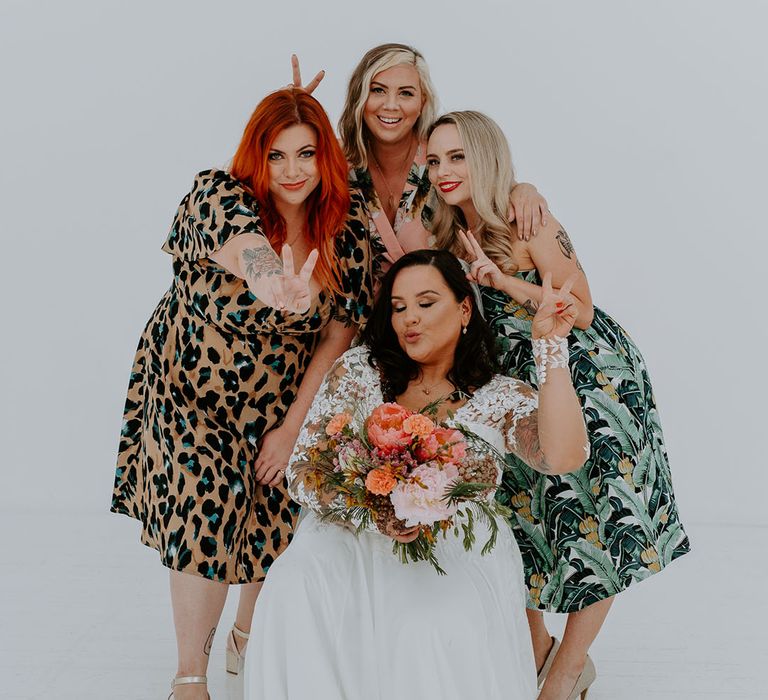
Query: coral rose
[[338, 423], [385, 426], [419, 425], [444, 444], [380, 482]]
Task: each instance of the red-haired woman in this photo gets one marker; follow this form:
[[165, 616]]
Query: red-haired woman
[[229, 363]]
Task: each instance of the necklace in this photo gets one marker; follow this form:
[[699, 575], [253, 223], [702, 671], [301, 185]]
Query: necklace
[[428, 390], [391, 198], [295, 238]]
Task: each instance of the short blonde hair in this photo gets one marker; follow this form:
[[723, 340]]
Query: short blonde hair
[[492, 177], [352, 130]]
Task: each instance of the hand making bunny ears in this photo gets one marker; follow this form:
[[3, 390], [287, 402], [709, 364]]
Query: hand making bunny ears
[[309, 88]]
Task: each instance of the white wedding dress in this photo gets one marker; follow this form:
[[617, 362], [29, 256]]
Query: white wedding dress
[[341, 618]]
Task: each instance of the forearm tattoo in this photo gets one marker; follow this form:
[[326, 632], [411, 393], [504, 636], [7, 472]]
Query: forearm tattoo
[[528, 446], [209, 642], [260, 262]]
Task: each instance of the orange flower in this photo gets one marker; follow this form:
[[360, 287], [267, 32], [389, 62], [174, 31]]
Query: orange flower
[[419, 425], [385, 426], [380, 482], [389, 416], [338, 423]]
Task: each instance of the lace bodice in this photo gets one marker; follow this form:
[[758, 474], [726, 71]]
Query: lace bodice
[[502, 412]]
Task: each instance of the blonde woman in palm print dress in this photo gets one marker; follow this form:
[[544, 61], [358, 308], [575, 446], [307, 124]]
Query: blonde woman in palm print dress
[[584, 536], [390, 103]]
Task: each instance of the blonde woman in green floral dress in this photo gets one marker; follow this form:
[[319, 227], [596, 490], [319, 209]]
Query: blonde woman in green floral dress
[[389, 106], [584, 536]]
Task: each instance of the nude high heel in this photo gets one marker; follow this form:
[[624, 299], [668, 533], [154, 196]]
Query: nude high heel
[[586, 679], [235, 660], [548, 662], [188, 680]]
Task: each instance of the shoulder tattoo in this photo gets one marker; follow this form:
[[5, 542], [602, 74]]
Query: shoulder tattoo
[[564, 241], [566, 247]]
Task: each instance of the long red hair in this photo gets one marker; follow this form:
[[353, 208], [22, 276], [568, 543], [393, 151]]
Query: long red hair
[[327, 205]]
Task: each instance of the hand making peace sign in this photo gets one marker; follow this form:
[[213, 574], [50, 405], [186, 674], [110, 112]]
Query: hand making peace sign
[[274, 281], [291, 291], [557, 313], [481, 268]]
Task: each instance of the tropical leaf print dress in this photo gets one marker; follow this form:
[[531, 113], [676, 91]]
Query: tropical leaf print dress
[[588, 535], [214, 371], [391, 241]]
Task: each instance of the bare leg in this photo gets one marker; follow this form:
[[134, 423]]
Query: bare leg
[[249, 592], [580, 631], [197, 605], [542, 640]]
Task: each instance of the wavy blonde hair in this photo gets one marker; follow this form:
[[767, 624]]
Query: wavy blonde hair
[[353, 132], [492, 178]]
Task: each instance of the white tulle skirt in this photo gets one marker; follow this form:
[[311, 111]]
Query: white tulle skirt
[[341, 618]]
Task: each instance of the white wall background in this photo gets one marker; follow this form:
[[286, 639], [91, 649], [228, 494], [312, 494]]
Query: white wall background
[[642, 123]]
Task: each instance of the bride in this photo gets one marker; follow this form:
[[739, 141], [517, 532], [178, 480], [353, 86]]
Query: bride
[[340, 617]]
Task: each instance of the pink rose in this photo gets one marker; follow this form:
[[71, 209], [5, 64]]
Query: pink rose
[[385, 426], [421, 499]]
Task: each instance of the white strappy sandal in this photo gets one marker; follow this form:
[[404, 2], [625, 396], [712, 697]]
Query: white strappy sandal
[[235, 659], [187, 680]]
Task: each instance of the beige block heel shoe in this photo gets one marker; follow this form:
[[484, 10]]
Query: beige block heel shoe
[[235, 659], [187, 680]]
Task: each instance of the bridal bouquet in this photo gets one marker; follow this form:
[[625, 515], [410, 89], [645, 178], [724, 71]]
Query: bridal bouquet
[[403, 469]]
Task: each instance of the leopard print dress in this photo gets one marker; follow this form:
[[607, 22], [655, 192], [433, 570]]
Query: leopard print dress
[[214, 371]]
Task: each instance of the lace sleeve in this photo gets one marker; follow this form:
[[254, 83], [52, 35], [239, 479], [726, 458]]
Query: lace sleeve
[[342, 390], [521, 426]]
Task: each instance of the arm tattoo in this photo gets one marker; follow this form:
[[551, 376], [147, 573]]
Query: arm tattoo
[[530, 306], [566, 247], [261, 262], [209, 643], [528, 447]]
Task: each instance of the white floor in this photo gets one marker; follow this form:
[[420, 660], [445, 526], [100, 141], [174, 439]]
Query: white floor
[[84, 613]]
